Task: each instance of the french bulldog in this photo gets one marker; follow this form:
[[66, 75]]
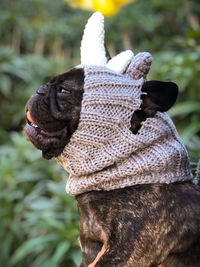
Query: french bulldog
[[144, 225]]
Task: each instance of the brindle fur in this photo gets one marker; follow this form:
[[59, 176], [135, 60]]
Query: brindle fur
[[140, 226]]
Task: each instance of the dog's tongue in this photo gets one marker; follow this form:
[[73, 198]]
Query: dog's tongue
[[28, 115]]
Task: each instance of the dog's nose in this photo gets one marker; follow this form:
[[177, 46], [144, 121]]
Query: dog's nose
[[42, 90]]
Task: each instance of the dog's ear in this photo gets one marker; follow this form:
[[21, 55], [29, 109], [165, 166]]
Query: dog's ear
[[160, 96]]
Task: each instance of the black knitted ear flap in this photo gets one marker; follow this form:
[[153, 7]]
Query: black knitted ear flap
[[160, 96], [157, 96]]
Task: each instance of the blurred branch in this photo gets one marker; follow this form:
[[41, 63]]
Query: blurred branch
[[191, 17], [111, 49], [16, 41], [126, 41], [39, 46]]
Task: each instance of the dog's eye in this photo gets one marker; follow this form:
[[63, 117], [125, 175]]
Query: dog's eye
[[65, 90]]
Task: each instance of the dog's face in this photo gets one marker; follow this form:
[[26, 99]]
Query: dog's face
[[53, 111]]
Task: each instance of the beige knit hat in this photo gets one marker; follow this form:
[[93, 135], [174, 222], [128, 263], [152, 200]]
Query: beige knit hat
[[103, 154]]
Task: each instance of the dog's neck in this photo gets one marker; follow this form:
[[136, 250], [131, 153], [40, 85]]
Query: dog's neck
[[103, 154]]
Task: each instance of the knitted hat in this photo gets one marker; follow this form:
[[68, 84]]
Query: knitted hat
[[103, 154]]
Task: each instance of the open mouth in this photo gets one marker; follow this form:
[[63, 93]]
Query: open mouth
[[51, 143], [33, 129], [30, 120]]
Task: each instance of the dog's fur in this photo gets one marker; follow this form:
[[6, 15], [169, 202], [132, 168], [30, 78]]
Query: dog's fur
[[142, 225]]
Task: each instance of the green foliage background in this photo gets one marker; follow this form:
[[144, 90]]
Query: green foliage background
[[41, 38]]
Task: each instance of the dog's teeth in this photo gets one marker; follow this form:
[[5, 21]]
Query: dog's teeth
[[34, 125]]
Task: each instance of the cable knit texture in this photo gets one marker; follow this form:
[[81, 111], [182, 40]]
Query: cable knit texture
[[103, 154]]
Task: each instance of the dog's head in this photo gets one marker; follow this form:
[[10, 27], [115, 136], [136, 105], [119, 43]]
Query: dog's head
[[53, 111]]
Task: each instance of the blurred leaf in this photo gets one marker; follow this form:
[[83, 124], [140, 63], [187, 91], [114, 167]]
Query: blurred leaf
[[61, 249], [35, 244], [76, 255], [193, 146], [190, 131], [184, 108], [5, 85]]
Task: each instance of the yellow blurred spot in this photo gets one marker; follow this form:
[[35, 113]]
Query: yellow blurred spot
[[106, 7]]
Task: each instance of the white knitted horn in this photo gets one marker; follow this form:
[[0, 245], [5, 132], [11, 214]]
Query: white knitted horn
[[92, 44], [120, 62]]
